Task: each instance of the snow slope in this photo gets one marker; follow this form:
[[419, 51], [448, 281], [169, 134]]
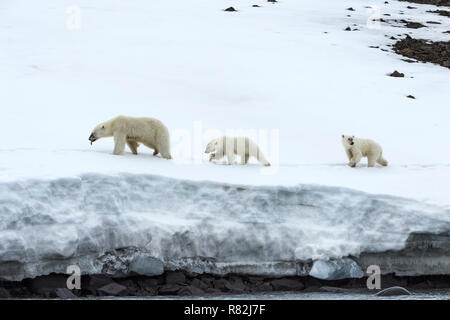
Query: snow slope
[[287, 72]]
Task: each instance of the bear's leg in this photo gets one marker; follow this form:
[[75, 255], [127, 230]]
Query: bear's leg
[[382, 161], [247, 157], [119, 143], [357, 155], [163, 149], [151, 146], [230, 157], [165, 153], [262, 159], [371, 161], [133, 145], [349, 154]]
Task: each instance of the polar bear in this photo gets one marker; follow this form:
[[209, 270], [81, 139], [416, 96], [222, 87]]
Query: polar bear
[[131, 131], [230, 146], [356, 148]]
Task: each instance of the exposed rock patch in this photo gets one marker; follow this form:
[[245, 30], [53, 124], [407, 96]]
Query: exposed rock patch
[[434, 2], [424, 50], [441, 12]]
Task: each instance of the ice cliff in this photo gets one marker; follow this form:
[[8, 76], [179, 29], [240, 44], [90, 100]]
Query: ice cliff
[[124, 224]]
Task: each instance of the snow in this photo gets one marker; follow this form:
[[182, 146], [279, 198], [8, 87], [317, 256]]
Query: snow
[[198, 226], [272, 71]]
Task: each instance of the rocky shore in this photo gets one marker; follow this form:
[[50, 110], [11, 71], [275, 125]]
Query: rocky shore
[[179, 283]]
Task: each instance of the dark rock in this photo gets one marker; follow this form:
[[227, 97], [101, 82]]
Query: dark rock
[[64, 293], [422, 285], [411, 97], [169, 289], [112, 289], [433, 22], [222, 285], [149, 285], [409, 7], [48, 282], [434, 2], [230, 9], [285, 284], [414, 25], [424, 50], [256, 6], [263, 287], [97, 281], [393, 291], [190, 291], [312, 282], [438, 282], [199, 284], [174, 277], [441, 12], [397, 74], [237, 285], [273, 1], [348, 29], [350, 9], [208, 280], [390, 280], [333, 289], [4, 293], [213, 291], [132, 287]]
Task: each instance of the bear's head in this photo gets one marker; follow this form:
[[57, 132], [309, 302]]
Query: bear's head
[[212, 146], [101, 131], [348, 141]]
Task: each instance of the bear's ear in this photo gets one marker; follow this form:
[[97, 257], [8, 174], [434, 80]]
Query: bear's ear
[[353, 137], [103, 127]]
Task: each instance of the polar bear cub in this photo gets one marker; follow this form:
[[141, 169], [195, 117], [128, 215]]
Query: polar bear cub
[[231, 146], [131, 131], [356, 148]]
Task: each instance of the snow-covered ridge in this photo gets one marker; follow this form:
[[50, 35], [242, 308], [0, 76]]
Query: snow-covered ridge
[[46, 225]]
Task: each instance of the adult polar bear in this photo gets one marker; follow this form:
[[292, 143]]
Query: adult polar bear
[[356, 148], [131, 131]]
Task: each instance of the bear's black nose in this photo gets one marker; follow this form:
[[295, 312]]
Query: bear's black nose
[[92, 138]]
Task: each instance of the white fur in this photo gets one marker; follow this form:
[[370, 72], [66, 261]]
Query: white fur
[[132, 131], [362, 148], [231, 146]]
